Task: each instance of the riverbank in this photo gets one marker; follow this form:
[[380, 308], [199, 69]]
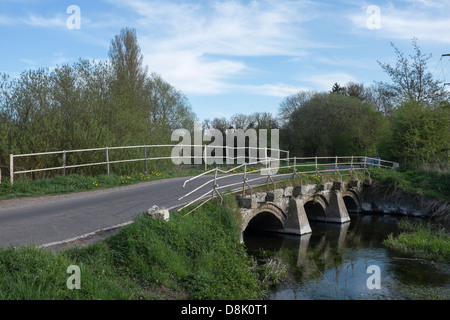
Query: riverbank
[[417, 192], [410, 191]]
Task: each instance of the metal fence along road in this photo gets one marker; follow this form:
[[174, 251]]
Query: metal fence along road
[[145, 157]]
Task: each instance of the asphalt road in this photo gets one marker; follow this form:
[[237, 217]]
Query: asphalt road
[[52, 219]]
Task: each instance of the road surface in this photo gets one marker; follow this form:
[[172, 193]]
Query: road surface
[[56, 219]]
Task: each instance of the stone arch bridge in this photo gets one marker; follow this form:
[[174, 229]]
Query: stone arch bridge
[[289, 210]]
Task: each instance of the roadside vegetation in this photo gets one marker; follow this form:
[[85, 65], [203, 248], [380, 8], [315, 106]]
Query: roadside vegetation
[[198, 256], [78, 183]]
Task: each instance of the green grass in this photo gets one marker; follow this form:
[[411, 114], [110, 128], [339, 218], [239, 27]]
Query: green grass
[[198, 256], [432, 184], [421, 240], [77, 183]]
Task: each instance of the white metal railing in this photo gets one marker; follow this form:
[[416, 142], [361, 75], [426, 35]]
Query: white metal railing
[[107, 159], [336, 165]]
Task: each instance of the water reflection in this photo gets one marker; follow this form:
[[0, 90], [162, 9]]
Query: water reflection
[[332, 262]]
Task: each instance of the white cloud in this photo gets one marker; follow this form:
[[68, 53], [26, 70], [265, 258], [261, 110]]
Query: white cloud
[[200, 46], [280, 90], [228, 28], [40, 21], [425, 20], [190, 72]]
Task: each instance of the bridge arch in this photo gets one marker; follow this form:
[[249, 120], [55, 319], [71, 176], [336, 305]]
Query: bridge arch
[[267, 217], [351, 200], [316, 208]]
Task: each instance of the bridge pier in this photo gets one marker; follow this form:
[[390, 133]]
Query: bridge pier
[[336, 210], [296, 220]]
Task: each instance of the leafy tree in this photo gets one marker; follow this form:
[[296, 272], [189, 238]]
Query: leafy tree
[[291, 103], [166, 107], [420, 133], [126, 105], [410, 78], [331, 124], [126, 59]]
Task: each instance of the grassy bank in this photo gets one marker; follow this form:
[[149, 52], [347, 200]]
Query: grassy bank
[[78, 183], [421, 240], [433, 184], [194, 257]]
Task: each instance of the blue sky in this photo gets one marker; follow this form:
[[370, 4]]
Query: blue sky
[[232, 57]]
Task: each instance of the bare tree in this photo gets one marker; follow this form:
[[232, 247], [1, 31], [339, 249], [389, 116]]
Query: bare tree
[[291, 103], [410, 78]]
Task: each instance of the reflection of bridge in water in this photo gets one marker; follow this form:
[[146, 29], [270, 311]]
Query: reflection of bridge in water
[[312, 253], [331, 261]]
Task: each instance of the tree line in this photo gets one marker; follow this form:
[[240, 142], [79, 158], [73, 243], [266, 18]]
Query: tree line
[[405, 120], [117, 102], [89, 104]]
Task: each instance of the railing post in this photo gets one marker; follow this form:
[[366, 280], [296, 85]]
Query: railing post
[[245, 179], [335, 167], [145, 159], [215, 186], [107, 160], [0, 175], [64, 162], [287, 159], [204, 156], [265, 156], [317, 172], [351, 167], [294, 171], [11, 169]]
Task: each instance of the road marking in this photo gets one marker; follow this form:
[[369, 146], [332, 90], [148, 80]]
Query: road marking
[[83, 236], [93, 233]]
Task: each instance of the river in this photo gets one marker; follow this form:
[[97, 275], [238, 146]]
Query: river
[[348, 261]]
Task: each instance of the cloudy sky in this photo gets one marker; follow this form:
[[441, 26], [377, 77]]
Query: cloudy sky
[[231, 56]]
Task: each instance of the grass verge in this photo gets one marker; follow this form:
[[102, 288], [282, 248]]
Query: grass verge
[[77, 183], [198, 256], [421, 241]]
